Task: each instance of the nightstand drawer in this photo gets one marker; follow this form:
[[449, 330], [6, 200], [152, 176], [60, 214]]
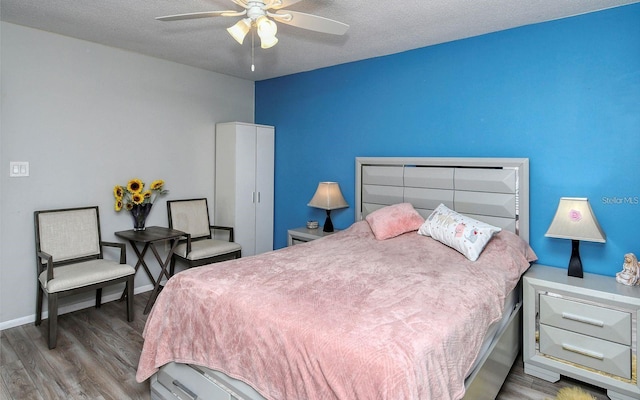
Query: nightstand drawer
[[303, 235], [295, 241], [601, 322], [585, 350]]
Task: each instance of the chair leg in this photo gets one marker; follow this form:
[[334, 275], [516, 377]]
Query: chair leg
[[39, 300], [98, 297], [130, 284], [53, 320]]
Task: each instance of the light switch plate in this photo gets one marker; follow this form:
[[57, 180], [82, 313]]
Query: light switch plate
[[18, 168]]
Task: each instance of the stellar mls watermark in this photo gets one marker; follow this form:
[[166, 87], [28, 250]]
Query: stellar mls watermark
[[621, 200]]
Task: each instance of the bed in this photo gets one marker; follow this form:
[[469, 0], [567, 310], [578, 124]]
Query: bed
[[359, 314]]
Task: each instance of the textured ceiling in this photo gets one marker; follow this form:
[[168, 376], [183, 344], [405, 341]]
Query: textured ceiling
[[377, 28]]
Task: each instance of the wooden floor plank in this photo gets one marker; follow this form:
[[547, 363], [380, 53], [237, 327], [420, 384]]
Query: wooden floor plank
[[17, 384], [102, 367], [49, 380], [7, 355], [14, 379], [98, 351]]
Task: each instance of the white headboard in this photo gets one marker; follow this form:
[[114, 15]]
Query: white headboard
[[493, 190]]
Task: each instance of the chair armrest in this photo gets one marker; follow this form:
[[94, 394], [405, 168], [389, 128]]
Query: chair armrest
[[49, 259], [224, 228], [121, 246], [187, 237]]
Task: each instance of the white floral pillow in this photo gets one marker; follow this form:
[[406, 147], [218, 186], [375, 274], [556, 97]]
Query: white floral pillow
[[467, 235]]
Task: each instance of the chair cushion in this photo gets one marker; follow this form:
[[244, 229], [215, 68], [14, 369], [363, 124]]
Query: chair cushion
[[207, 248], [86, 273]]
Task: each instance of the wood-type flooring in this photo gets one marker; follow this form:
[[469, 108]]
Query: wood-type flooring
[[98, 351]]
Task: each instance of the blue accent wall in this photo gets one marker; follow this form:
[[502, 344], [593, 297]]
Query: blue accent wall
[[565, 94]]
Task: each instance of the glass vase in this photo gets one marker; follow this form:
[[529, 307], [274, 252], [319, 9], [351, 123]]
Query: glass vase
[[139, 213]]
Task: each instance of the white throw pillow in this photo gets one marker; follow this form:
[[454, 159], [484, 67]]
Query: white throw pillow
[[467, 235]]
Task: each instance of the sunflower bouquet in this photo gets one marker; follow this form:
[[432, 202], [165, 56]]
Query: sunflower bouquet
[[134, 194]]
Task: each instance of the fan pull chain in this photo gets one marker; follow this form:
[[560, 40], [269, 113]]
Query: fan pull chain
[[253, 67]]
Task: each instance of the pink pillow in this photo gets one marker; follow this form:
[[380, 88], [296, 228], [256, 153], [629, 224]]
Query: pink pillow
[[391, 221]]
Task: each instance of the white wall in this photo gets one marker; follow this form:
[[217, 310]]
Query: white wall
[[87, 117]]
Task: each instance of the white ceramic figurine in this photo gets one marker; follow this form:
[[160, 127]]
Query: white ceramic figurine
[[630, 274]]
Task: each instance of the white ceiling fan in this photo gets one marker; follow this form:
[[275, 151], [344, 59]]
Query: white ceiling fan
[[258, 14]]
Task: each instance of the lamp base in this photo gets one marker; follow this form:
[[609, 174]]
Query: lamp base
[[328, 225], [575, 264]]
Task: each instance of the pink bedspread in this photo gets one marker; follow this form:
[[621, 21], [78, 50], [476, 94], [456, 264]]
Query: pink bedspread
[[344, 317]]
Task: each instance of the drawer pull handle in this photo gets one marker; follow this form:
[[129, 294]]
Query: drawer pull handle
[[584, 352], [185, 389], [580, 318]]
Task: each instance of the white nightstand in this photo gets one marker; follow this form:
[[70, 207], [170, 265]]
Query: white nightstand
[[586, 329], [303, 235]]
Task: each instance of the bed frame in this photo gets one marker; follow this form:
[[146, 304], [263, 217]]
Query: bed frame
[[493, 190]]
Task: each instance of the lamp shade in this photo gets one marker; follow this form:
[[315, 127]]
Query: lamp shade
[[328, 197], [267, 30], [268, 42], [575, 220], [240, 29]]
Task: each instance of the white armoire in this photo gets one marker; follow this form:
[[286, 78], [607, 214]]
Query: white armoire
[[244, 183]]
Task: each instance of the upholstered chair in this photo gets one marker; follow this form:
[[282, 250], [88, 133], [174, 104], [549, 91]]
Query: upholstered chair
[[69, 260], [199, 247]]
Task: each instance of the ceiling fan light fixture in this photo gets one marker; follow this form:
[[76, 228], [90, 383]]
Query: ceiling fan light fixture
[[267, 30], [268, 42], [266, 26], [240, 29], [257, 14]]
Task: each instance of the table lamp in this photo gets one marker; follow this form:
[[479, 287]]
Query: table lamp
[[328, 197], [575, 220]]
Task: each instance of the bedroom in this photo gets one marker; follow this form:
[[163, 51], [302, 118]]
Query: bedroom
[[562, 93]]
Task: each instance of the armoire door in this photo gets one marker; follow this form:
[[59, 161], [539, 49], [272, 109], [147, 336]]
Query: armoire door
[[246, 196], [245, 184], [265, 169]]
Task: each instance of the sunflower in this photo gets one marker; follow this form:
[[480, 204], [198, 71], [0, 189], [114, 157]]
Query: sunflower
[[118, 192], [137, 198], [157, 184], [134, 193], [135, 186]]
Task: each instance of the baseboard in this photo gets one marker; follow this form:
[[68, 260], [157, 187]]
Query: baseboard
[[67, 308]]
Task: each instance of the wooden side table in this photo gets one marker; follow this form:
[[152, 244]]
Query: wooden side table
[[303, 235], [146, 240]]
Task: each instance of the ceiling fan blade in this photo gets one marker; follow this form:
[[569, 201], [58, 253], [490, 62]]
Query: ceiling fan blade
[[241, 3], [204, 14], [278, 4], [310, 22]]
